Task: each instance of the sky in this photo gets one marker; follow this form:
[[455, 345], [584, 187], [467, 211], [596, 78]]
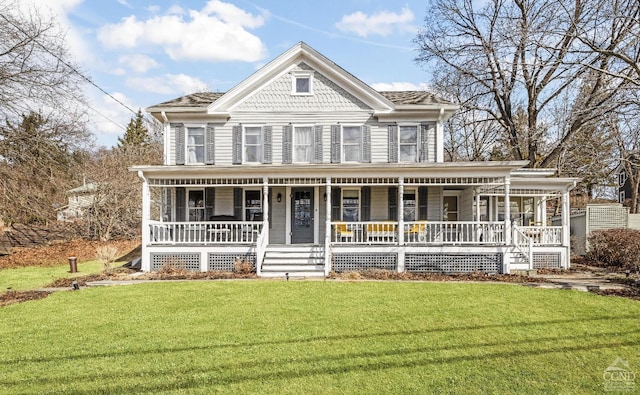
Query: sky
[[144, 52]]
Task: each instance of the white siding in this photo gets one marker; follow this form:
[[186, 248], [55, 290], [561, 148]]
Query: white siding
[[224, 201], [274, 105], [634, 221], [276, 96], [172, 147], [224, 145], [465, 205], [432, 144], [379, 203], [379, 143], [434, 204]]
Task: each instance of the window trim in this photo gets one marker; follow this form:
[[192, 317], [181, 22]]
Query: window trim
[[342, 144], [187, 145], [622, 177], [342, 193], [417, 143], [294, 143], [260, 146], [295, 75]]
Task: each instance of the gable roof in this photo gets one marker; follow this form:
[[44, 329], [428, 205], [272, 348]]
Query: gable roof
[[382, 103]]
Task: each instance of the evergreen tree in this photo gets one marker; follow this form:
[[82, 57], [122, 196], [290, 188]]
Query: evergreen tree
[[137, 133]]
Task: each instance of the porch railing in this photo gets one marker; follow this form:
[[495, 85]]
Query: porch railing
[[523, 245], [543, 235], [418, 232], [429, 232], [238, 232], [261, 248]]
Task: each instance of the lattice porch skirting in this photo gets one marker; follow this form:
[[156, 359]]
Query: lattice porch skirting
[[353, 262], [453, 263]]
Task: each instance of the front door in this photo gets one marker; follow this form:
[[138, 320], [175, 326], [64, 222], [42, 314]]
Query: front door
[[301, 215]]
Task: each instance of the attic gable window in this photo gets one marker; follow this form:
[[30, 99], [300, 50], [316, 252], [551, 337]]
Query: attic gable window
[[302, 83]]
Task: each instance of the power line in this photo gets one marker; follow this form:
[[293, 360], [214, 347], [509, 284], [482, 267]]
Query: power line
[[70, 67]]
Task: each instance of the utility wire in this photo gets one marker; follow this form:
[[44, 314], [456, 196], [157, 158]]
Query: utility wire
[[67, 64]]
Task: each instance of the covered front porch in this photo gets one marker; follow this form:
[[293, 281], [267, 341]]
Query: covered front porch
[[438, 218]]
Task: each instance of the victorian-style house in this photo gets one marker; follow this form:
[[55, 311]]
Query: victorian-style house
[[303, 169]]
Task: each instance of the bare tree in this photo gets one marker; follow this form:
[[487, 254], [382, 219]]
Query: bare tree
[[522, 57], [116, 210], [36, 72], [470, 135], [42, 114], [625, 127]]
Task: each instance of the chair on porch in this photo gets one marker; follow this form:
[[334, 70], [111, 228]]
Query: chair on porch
[[417, 232], [381, 232], [344, 232]]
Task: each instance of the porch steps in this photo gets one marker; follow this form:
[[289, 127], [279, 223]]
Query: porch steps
[[294, 260]]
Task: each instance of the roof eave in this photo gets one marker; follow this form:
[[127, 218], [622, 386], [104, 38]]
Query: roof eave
[[441, 112]]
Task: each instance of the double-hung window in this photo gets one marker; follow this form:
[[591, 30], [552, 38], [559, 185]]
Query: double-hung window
[[352, 143], [195, 145], [302, 144], [408, 143], [351, 205], [253, 144]]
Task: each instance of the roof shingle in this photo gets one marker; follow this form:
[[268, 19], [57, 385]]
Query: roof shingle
[[204, 99]]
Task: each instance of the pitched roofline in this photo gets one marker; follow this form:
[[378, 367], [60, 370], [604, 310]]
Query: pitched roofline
[[280, 65]]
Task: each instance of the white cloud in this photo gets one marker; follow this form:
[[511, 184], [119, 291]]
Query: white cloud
[[168, 84], [125, 3], [400, 86], [382, 23], [216, 33], [138, 63], [109, 118]]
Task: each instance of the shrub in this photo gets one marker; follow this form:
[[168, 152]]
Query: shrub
[[619, 248], [243, 266], [107, 254]]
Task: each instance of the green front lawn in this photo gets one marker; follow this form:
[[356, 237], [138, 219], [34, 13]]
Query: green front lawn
[[315, 337], [26, 278]]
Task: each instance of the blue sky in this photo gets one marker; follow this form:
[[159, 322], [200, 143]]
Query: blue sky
[[146, 52]]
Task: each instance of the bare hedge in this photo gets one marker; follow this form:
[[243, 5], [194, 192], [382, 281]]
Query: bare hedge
[[615, 247]]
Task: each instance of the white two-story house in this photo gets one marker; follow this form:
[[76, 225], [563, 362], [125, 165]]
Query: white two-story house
[[303, 169]]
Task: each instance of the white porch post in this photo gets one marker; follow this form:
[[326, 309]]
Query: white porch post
[[146, 214], [400, 255], [476, 199], [327, 230], [507, 210], [401, 210], [265, 208], [566, 228], [507, 225]]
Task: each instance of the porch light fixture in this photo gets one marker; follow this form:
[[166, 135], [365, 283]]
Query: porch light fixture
[[325, 196], [279, 197]]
